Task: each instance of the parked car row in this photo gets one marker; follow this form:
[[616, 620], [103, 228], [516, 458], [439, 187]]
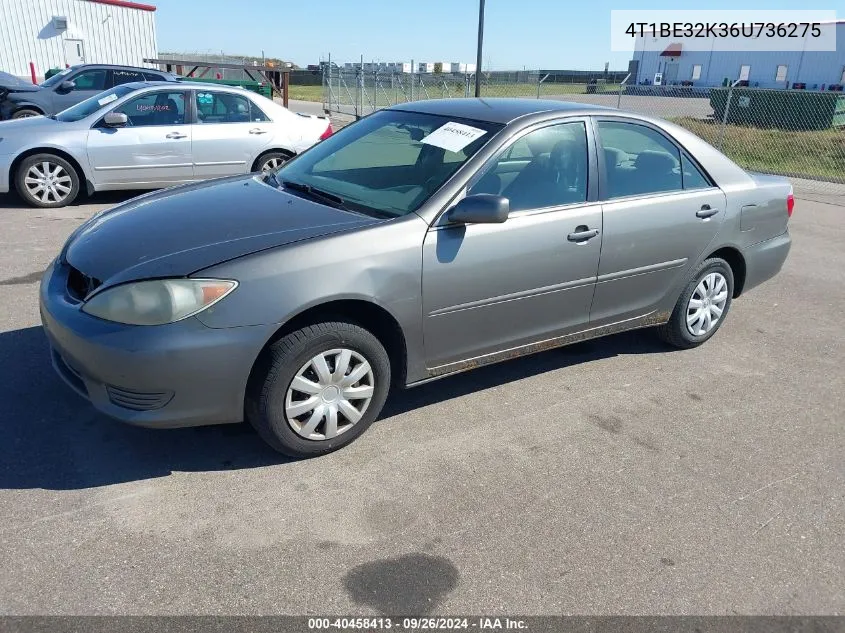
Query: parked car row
[[147, 135]]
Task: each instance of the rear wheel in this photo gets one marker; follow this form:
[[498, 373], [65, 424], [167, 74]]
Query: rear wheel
[[47, 180], [702, 307], [318, 388], [271, 161], [25, 113]]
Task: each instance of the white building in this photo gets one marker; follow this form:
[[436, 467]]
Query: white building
[[58, 33]]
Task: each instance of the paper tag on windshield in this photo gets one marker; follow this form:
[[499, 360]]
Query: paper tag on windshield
[[107, 99], [453, 136]]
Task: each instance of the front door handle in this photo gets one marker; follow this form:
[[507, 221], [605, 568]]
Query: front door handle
[[176, 135], [257, 130], [582, 234], [706, 212]]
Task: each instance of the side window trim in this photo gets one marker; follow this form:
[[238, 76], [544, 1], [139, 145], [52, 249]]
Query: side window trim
[[505, 150], [253, 105], [602, 171], [686, 156]]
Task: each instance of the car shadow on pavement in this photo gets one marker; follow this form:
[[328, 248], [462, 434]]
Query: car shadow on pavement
[[51, 438], [626, 343]]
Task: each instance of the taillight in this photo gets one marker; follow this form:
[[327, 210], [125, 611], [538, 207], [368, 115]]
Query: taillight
[[790, 204], [327, 133]]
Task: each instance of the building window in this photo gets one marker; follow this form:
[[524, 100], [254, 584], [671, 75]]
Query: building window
[[696, 72], [744, 72], [781, 74]]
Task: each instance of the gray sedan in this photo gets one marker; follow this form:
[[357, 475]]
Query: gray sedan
[[149, 135], [422, 241]]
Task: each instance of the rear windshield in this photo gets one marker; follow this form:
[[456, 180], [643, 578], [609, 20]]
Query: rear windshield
[[92, 104], [391, 162]]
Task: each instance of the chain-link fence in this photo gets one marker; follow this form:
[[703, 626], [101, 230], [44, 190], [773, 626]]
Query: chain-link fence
[[359, 90], [794, 133]]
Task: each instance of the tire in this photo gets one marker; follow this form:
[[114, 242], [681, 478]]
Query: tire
[[271, 397], [24, 113], [270, 161], [683, 335], [62, 183]]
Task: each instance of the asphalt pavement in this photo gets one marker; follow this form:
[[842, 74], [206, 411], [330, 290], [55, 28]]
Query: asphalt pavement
[[609, 477]]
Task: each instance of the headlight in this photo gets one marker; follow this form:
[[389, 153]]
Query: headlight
[[158, 301]]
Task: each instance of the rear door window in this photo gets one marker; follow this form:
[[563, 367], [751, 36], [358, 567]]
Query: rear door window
[[125, 76], [226, 107], [638, 160]]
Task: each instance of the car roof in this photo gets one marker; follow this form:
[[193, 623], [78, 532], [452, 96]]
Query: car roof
[[496, 110], [137, 85], [120, 67]]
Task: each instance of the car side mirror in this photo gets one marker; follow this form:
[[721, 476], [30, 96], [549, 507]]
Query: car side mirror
[[115, 119], [480, 208], [67, 86]]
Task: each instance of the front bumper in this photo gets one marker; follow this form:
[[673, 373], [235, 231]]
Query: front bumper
[[180, 374]]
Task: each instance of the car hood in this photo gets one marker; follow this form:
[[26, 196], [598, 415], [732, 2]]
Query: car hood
[[27, 125], [179, 231], [8, 85]]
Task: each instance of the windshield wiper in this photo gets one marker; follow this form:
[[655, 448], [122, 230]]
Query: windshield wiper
[[324, 196]]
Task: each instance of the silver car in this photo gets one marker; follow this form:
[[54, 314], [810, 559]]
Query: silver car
[[150, 135], [422, 241]]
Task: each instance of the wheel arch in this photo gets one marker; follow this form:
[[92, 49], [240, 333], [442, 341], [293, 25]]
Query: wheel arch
[[273, 150], [27, 106], [366, 314], [80, 172], [736, 261]]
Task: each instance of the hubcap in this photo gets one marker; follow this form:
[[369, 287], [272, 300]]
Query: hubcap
[[707, 304], [329, 394], [271, 164], [48, 182]]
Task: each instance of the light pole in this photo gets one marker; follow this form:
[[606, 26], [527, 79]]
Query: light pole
[[480, 42]]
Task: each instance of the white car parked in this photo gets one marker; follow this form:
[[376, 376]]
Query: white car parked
[[147, 136]]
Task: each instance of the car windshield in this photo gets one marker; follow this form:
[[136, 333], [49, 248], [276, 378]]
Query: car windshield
[[55, 79], [387, 164], [92, 104]]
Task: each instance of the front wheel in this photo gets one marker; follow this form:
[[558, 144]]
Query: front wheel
[[318, 388], [271, 161], [25, 113], [702, 307], [47, 181]]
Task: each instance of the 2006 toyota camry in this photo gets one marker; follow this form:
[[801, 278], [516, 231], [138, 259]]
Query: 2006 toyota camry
[[421, 241]]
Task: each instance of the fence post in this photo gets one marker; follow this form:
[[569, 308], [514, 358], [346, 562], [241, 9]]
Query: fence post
[[621, 89], [538, 83], [359, 91], [412, 79], [725, 115]]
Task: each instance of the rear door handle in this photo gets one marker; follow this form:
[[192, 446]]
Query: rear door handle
[[176, 135], [706, 212], [257, 130], [582, 234]]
